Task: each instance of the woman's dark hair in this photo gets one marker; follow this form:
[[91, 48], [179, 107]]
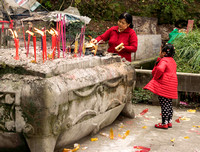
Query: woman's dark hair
[[169, 49], [128, 18]]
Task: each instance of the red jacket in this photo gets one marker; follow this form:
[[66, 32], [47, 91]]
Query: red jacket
[[164, 82], [128, 37]]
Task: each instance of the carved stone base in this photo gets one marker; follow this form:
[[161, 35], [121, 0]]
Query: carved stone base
[[41, 144], [83, 129], [128, 110]]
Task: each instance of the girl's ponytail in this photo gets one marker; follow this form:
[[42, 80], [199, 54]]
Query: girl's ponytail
[[169, 49]]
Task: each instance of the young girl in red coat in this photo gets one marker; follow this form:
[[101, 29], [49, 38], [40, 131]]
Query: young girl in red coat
[[164, 83]]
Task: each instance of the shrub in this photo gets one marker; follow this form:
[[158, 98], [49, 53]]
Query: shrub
[[187, 54], [142, 96]]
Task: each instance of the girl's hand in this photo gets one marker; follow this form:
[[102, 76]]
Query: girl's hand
[[93, 41]]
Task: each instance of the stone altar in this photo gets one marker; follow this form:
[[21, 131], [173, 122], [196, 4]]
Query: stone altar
[[46, 106]]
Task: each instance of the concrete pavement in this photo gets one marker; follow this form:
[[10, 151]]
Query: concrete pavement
[[183, 137]]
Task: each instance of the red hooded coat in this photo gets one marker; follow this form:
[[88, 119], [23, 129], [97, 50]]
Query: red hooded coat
[[164, 82]]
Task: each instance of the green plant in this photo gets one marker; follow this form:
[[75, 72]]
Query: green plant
[[142, 96], [167, 11], [104, 9], [188, 52], [73, 29]]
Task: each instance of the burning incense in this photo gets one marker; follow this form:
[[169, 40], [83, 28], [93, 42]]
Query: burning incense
[[57, 38], [62, 34], [81, 40], [64, 30]]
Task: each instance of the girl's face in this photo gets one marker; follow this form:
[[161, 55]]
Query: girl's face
[[162, 54], [122, 24]]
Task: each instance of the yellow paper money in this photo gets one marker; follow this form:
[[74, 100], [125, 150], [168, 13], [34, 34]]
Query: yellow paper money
[[94, 139], [191, 111], [186, 137], [111, 134]]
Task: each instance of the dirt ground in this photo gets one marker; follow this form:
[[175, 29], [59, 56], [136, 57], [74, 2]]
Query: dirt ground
[[184, 136]]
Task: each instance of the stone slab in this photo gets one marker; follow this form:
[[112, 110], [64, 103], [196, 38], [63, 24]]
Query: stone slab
[[148, 46]]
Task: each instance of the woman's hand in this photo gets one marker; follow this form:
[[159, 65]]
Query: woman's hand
[[93, 41], [121, 48]]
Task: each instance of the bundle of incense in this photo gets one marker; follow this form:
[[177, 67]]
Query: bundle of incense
[[81, 39], [24, 35], [62, 38], [59, 35], [29, 37], [64, 26], [57, 40], [83, 43], [69, 39], [80, 44], [76, 45]]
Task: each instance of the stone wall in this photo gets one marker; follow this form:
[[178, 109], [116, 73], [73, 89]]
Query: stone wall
[[149, 25], [145, 25], [187, 82], [148, 46]]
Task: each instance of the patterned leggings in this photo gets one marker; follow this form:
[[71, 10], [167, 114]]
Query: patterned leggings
[[166, 109]]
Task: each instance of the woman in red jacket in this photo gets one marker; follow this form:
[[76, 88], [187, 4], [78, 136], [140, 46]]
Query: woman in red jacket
[[121, 34], [164, 83]]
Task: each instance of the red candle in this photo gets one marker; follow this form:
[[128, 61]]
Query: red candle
[[34, 45], [53, 38], [44, 48], [57, 36], [58, 47], [17, 48]]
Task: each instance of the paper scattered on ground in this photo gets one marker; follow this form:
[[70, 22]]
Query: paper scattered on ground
[[94, 139], [191, 111]]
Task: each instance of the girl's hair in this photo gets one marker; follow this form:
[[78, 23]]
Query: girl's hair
[[128, 18], [169, 49]]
